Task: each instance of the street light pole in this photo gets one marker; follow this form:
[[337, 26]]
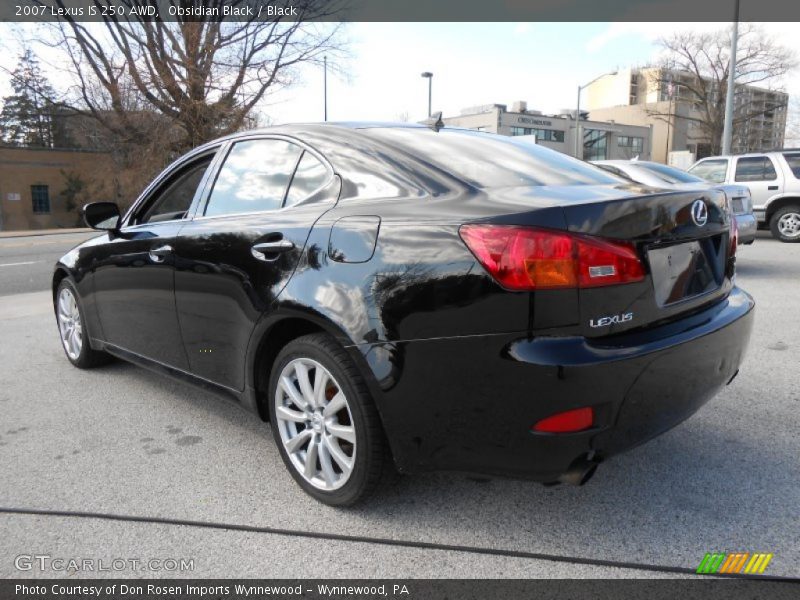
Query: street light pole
[[727, 130], [325, 85], [578, 122], [429, 76], [578, 110]]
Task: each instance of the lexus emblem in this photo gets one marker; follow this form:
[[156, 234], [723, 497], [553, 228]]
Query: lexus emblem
[[699, 213]]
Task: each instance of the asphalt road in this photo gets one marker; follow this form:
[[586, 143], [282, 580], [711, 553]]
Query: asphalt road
[[122, 441], [26, 263]]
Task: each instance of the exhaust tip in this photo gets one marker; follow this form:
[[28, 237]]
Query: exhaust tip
[[579, 473]]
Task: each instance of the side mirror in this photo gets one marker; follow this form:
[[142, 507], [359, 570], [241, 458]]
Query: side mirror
[[102, 215]]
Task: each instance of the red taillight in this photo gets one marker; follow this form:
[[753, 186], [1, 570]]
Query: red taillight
[[569, 421], [525, 258]]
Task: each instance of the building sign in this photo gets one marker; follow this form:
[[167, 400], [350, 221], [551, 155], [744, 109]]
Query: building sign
[[13, 196], [532, 121]]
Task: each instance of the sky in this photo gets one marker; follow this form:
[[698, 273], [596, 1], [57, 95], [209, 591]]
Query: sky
[[472, 63]]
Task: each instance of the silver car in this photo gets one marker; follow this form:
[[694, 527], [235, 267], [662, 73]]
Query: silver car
[[655, 174], [773, 179]]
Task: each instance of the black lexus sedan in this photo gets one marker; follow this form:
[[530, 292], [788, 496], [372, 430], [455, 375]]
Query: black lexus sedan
[[410, 297]]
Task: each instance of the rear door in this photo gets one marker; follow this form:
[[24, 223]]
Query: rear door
[[760, 175], [238, 253]]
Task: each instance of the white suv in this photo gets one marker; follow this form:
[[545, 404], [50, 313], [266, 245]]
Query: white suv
[[774, 182]]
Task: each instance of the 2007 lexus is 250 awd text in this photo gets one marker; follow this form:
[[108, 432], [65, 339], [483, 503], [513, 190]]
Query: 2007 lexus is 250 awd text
[[414, 297]]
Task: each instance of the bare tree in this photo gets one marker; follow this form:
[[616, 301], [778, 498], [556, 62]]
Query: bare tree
[[793, 124], [160, 87], [202, 75], [694, 71]]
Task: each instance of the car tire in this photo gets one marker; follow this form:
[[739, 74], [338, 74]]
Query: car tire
[[328, 431], [785, 224], [71, 322]]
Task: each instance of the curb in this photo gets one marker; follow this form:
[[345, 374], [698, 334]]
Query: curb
[[39, 232]]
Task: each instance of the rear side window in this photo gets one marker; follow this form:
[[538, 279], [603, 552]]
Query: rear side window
[[755, 168], [711, 170], [794, 163], [310, 175], [254, 177], [670, 174]]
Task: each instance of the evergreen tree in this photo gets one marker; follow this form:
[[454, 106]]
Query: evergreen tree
[[27, 115]]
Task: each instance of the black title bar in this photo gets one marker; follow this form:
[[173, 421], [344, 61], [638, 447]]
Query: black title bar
[[402, 10]]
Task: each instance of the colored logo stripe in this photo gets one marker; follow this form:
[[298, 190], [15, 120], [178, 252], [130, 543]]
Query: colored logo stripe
[[718, 562]]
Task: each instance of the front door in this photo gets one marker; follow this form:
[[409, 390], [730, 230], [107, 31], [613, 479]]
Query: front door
[[134, 278], [238, 253]]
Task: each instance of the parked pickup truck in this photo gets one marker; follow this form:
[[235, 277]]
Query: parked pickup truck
[[774, 182]]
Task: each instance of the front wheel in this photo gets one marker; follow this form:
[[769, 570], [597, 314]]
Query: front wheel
[[72, 329], [325, 423], [785, 224]]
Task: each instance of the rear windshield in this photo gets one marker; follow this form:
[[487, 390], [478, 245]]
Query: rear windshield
[[670, 174], [487, 160], [794, 163]]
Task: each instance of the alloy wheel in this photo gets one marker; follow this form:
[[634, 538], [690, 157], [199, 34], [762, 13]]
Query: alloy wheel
[[69, 323], [789, 225], [315, 424]]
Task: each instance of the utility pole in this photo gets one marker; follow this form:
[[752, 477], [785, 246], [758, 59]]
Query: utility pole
[[670, 92], [727, 131], [578, 123], [325, 85]]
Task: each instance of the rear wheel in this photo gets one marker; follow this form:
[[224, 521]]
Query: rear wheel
[[72, 329], [325, 423], [785, 223]]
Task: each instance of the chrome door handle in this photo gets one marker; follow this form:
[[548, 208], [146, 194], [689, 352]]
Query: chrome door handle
[[159, 255], [262, 250]]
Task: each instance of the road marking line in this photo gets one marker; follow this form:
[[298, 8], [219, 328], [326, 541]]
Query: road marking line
[[30, 262]]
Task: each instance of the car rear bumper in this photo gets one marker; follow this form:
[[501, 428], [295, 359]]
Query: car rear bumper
[[474, 401], [747, 225]]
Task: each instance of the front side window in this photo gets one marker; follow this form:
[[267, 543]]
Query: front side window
[[755, 168], [711, 170], [254, 177], [175, 197], [40, 196]]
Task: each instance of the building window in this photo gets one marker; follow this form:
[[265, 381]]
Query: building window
[[636, 144], [40, 194], [542, 135], [595, 144], [548, 135]]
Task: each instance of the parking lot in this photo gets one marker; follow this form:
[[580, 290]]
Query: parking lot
[[122, 463]]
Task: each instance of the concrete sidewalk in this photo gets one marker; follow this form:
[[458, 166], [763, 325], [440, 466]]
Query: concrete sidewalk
[[32, 232]]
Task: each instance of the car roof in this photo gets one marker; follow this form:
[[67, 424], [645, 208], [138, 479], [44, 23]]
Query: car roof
[[747, 154], [319, 127]]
